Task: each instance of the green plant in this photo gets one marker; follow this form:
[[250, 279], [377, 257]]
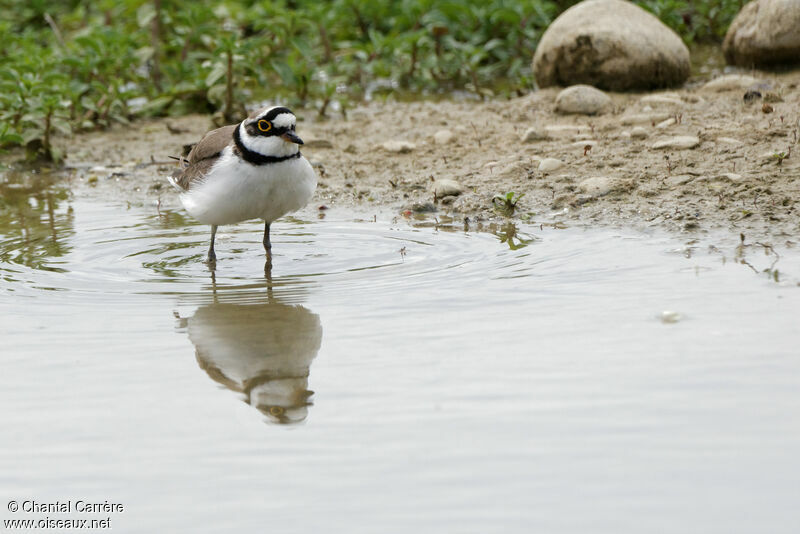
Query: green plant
[[506, 204], [81, 64]]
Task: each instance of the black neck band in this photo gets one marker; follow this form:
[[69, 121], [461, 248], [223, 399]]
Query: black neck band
[[255, 158]]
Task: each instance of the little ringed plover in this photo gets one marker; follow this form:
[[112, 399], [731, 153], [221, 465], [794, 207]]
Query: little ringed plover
[[250, 170]]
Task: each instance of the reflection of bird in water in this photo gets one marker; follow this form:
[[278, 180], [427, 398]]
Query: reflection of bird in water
[[261, 350]]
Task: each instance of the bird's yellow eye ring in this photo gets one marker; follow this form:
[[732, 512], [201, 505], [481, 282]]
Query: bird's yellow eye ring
[[264, 126]]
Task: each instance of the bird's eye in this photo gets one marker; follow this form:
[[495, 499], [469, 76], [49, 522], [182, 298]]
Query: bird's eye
[[264, 126]]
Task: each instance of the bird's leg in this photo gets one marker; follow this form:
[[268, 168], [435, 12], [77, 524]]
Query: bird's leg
[[267, 244], [212, 256]]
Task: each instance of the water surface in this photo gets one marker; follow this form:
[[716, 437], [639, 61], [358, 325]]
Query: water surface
[[394, 377]]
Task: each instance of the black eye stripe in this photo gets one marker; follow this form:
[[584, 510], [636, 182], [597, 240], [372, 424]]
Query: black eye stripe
[[275, 112]]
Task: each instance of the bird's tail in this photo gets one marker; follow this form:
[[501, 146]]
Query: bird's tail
[[175, 175]]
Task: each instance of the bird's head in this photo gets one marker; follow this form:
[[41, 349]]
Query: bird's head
[[271, 132]]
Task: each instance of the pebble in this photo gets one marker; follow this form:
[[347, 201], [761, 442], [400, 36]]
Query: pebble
[[730, 82], [535, 133], [729, 141], [583, 100], [679, 179], [644, 118], [638, 132], [566, 129], [597, 186], [442, 137], [444, 188], [670, 317], [679, 141], [583, 144], [666, 123], [512, 169], [400, 147], [550, 165], [672, 99]]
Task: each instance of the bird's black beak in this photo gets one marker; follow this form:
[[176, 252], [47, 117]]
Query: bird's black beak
[[291, 137]]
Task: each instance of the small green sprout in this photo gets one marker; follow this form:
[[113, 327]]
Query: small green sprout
[[507, 203]]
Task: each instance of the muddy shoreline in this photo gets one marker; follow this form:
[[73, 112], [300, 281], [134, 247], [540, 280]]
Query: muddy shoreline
[[402, 158]]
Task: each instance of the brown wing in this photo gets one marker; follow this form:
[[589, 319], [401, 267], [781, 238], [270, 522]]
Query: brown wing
[[212, 144], [202, 157], [184, 178]]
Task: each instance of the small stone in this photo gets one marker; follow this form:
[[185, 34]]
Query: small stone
[[644, 118], [680, 141], [637, 132], [535, 133], [732, 176], [666, 124], [597, 186], [583, 100], [584, 144], [512, 169], [565, 129], [442, 137], [550, 164], [729, 82], [678, 179], [671, 99], [670, 317], [729, 141], [400, 147], [444, 187], [766, 108]]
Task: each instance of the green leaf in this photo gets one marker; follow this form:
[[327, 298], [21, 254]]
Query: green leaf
[[217, 72]]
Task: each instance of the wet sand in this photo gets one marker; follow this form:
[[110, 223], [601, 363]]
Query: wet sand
[[743, 175]]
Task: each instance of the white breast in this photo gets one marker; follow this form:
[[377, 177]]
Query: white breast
[[235, 190]]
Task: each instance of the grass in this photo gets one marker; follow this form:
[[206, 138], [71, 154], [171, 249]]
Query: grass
[[72, 65]]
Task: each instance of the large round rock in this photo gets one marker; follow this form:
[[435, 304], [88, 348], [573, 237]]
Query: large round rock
[[610, 44], [764, 33]]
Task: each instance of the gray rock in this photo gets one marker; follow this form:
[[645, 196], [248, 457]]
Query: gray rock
[[598, 186], [398, 146], [679, 141], [550, 165], [610, 44], [668, 99], [666, 123], [764, 33], [729, 82], [444, 188], [582, 99], [535, 133], [678, 179], [644, 118], [638, 132], [729, 141], [555, 130], [442, 137]]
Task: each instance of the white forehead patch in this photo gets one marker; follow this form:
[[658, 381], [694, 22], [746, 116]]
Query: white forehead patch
[[284, 120]]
